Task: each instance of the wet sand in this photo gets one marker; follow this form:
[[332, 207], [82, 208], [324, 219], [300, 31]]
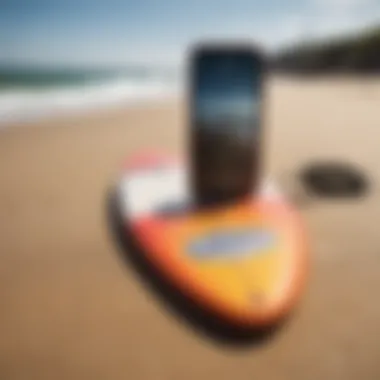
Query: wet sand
[[71, 309]]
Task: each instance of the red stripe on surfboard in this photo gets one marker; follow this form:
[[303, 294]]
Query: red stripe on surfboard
[[149, 160]]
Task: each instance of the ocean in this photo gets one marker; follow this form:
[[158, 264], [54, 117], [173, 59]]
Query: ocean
[[27, 94]]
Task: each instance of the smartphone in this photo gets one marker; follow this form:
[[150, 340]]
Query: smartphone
[[226, 91]]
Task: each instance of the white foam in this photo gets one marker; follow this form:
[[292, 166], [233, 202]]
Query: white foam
[[29, 104]]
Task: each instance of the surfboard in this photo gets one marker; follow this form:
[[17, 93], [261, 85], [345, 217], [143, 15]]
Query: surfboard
[[246, 263]]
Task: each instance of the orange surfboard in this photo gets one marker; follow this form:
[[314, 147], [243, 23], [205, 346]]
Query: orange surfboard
[[246, 262]]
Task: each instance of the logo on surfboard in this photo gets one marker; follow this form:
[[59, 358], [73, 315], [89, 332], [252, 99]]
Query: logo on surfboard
[[230, 243]]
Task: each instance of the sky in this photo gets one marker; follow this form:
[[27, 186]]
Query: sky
[[110, 32]]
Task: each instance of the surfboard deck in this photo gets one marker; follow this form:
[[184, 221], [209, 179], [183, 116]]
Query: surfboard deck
[[246, 262]]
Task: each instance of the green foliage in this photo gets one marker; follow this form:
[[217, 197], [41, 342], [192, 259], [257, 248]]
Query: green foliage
[[350, 54]]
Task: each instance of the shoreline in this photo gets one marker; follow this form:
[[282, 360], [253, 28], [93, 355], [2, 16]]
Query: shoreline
[[80, 107], [85, 113]]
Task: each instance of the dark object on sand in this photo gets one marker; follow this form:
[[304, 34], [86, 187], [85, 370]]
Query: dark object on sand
[[335, 180]]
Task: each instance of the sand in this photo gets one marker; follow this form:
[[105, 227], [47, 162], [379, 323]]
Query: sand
[[71, 309]]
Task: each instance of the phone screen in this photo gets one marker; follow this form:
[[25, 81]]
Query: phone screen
[[226, 95]]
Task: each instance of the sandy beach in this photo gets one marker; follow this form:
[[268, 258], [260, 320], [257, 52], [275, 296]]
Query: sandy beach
[[71, 309]]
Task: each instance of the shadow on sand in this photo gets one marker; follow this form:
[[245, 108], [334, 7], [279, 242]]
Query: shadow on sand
[[326, 181], [204, 323], [334, 180]]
